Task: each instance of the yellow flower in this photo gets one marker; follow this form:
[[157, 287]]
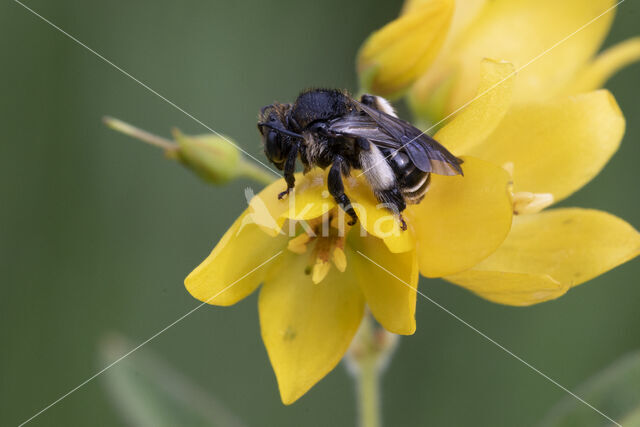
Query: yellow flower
[[548, 126], [439, 45], [317, 280], [528, 142], [317, 276], [393, 58], [552, 149], [553, 45]]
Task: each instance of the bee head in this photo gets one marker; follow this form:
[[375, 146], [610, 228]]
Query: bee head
[[276, 137]]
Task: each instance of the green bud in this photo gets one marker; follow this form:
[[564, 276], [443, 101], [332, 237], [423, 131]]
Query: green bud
[[215, 159], [211, 157]]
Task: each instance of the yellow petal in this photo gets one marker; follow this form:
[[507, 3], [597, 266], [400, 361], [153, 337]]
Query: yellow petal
[[464, 13], [520, 31], [391, 301], [571, 245], [605, 65], [264, 209], [480, 117], [462, 219], [233, 269], [518, 289], [556, 147], [309, 199], [429, 95], [374, 217], [566, 246], [394, 56], [307, 327]]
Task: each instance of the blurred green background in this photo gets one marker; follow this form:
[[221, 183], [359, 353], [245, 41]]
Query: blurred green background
[[98, 231]]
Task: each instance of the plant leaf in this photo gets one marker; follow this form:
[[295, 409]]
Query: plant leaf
[[615, 391], [148, 392]]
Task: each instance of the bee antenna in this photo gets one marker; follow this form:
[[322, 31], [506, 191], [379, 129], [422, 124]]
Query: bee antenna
[[282, 131]]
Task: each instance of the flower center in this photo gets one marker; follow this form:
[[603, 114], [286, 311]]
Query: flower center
[[325, 236]]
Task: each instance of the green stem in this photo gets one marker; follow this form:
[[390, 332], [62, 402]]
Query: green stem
[[256, 172], [368, 390], [366, 359], [140, 134]]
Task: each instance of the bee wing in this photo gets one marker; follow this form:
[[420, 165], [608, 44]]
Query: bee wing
[[361, 126], [425, 153]]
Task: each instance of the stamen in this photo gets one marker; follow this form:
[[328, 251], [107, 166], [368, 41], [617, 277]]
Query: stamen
[[298, 244], [320, 270], [527, 203], [339, 259], [328, 247]]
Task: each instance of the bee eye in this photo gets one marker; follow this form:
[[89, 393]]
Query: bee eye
[[273, 146]]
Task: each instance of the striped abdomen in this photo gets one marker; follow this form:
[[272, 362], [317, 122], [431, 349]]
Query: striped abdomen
[[412, 182]]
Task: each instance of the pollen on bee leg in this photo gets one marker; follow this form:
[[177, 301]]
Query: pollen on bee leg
[[525, 202]]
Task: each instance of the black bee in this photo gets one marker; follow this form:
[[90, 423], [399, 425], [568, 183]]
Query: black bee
[[328, 128]]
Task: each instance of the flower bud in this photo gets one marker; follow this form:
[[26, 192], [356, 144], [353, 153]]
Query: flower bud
[[215, 159], [392, 58], [211, 157]]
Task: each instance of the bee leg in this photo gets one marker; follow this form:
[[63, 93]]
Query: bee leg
[[336, 189], [289, 170], [394, 201], [403, 224]]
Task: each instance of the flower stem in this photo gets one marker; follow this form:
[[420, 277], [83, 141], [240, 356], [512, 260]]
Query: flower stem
[[368, 394], [366, 361], [140, 134], [256, 172]]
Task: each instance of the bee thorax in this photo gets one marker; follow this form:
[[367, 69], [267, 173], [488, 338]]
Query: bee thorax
[[316, 150]]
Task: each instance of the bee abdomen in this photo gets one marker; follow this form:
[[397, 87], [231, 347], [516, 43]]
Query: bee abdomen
[[413, 182], [414, 195]]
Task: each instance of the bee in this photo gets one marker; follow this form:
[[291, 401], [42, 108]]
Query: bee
[[329, 129]]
